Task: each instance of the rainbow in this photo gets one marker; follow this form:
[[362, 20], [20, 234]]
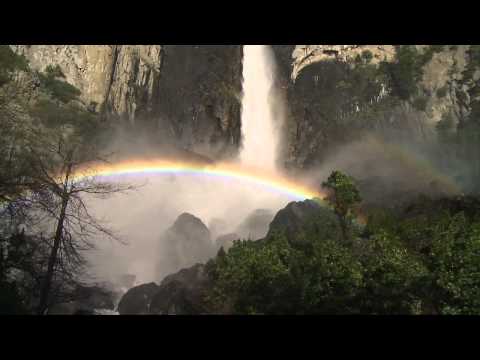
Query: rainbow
[[270, 181]]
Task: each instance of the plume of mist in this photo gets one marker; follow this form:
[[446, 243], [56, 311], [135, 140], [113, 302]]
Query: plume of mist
[[390, 172], [143, 216]]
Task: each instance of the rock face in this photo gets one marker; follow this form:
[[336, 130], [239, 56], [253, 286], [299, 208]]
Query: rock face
[[189, 96], [334, 97], [186, 95], [183, 293], [304, 55], [199, 99], [137, 300], [304, 216], [184, 244]]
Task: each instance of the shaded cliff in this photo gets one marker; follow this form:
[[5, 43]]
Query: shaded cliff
[[186, 96], [337, 93]]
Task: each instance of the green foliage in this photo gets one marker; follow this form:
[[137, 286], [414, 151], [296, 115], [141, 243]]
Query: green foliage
[[423, 260], [332, 279], [257, 278], [10, 62], [453, 256], [55, 116], [345, 193], [54, 71], [393, 277], [58, 89], [405, 72]]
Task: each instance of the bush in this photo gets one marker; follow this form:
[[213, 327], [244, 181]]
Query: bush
[[405, 72], [10, 62], [59, 89], [54, 71]]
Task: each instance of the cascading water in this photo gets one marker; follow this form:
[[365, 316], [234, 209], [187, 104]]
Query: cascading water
[[259, 132]]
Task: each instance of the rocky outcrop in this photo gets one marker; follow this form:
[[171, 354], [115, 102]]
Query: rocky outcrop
[[199, 98], [137, 300], [121, 77], [184, 244], [182, 95], [338, 93], [183, 293], [304, 55], [300, 217]]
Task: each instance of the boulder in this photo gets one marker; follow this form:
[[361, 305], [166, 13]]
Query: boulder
[[183, 293], [305, 216], [184, 244], [137, 300]]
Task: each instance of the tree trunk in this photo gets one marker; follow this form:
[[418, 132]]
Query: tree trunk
[[45, 291]]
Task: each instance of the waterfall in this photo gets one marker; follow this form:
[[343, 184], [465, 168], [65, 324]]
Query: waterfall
[[259, 132]]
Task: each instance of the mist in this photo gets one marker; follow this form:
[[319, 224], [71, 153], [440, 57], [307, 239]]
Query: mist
[[224, 206]]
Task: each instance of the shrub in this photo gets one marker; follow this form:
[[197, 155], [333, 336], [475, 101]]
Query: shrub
[[405, 72], [59, 89], [9, 62]]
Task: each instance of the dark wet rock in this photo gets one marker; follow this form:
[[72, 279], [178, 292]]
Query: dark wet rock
[[305, 216], [183, 293], [184, 244], [137, 300]]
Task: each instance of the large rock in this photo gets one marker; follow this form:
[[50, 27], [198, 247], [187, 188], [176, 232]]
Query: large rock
[[183, 293], [184, 244], [304, 216], [137, 300]]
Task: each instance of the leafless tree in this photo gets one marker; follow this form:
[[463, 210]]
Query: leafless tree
[[62, 176]]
